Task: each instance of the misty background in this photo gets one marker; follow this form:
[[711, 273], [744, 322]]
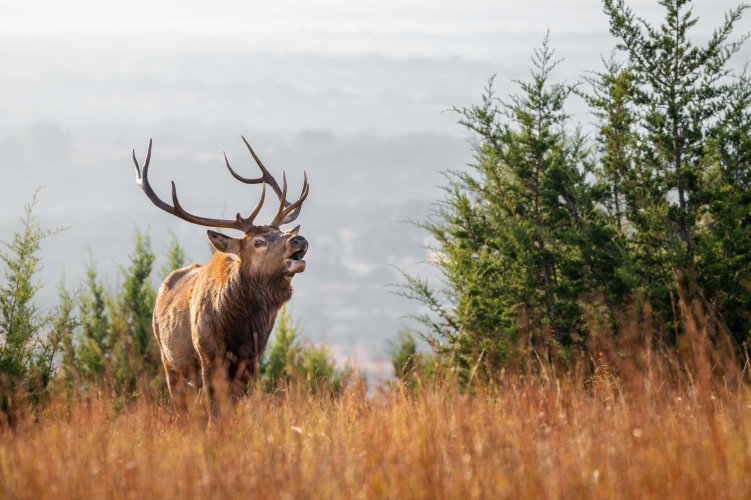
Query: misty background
[[358, 94]]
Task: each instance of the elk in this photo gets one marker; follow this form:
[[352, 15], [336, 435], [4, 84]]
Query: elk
[[213, 321]]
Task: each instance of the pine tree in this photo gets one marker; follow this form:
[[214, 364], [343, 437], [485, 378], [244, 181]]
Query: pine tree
[[137, 294], [27, 343], [410, 366], [283, 352], [134, 350], [93, 349], [288, 361], [176, 257], [520, 238], [611, 101], [725, 259], [64, 323], [680, 92]]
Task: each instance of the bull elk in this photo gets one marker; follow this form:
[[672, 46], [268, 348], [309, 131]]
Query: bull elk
[[214, 320]]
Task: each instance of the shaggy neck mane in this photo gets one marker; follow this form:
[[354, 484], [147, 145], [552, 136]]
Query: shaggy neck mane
[[246, 307], [243, 294]]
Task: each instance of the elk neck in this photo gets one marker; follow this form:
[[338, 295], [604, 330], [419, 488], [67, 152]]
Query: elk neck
[[243, 294]]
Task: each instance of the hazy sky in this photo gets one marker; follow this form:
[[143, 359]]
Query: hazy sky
[[395, 28], [356, 92], [227, 18], [300, 18]]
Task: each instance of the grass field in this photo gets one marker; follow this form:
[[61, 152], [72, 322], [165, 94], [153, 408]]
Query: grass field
[[531, 438]]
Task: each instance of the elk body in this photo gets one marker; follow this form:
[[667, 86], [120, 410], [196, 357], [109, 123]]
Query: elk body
[[212, 322]]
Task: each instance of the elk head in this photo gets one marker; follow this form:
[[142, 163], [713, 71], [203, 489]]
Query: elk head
[[264, 251]]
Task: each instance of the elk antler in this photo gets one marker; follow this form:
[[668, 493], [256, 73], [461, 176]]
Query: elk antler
[[288, 212], [239, 223]]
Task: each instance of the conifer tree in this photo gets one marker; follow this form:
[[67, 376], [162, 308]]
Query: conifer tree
[[176, 257], [611, 102], [134, 348], [520, 238], [93, 349], [288, 361], [725, 261], [28, 342], [410, 366], [281, 358], [64, 322], [680, 93]]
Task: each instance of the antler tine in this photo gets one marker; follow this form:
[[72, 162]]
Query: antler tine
[[287, 214], [293, 210], [282, 199], [266, 177], [177, 210], [146, 163], [252, 216], [142, 179]]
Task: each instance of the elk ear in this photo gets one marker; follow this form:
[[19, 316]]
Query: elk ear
[[223, 243], [293, 231]]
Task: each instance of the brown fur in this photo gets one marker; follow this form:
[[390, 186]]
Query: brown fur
[[216, 319]]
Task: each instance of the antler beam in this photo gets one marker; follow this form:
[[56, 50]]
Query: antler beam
[[289, 215], [287, 212]]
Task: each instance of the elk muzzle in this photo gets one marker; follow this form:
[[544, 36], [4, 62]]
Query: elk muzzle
[[297, 246]]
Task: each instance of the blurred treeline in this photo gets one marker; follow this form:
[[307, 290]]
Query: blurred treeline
[[558, 247], [100, 339]]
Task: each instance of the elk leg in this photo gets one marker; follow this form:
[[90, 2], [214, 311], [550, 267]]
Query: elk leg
[[239, 376], [209, 387], [177, 386]]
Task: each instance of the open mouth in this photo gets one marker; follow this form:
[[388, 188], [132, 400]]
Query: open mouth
[[295, 262]]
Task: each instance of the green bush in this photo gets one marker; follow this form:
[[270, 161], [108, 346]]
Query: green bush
[[29, 337], [289, 362], [411, 367]]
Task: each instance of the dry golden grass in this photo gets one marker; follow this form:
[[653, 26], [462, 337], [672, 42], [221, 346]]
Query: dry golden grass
[[528, 438]]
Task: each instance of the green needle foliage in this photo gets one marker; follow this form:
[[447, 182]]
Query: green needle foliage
[[724, 255], [64, 323], [136, 355], [289, 362], [681, 91], [93, 349], [29, 337], [551, 236], [520, 238], [176, 257], [412, 368]]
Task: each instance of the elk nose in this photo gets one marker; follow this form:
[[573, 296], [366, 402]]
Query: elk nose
[[298, 242]]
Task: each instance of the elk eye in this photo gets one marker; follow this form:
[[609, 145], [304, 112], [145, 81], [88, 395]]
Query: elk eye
[[259, 243]]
